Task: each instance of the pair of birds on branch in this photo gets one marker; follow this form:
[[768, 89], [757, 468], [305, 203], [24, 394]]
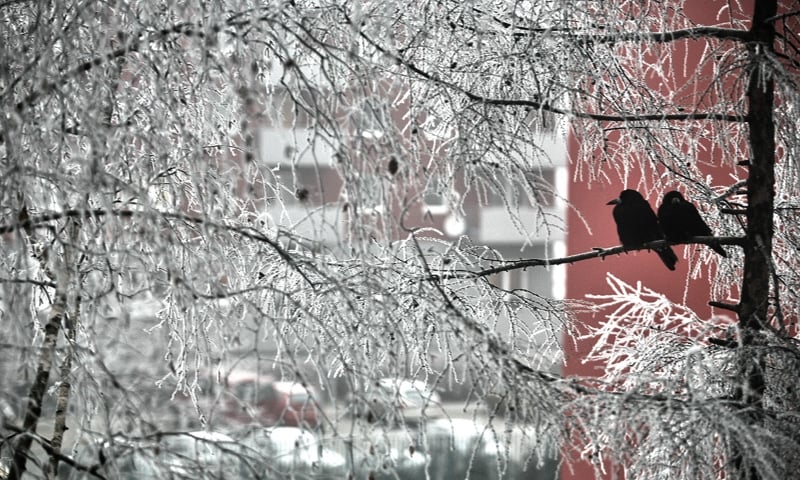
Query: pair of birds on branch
[[677, 221]]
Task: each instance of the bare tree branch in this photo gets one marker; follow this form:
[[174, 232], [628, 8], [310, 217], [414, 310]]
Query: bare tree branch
[[537, 105], [596, 253]]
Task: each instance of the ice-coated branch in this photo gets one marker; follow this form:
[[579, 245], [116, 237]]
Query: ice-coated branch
[[546, 106], [40, 221], [595, 253]]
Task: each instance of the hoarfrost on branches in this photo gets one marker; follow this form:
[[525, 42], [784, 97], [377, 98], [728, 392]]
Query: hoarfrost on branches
[[192, 188]]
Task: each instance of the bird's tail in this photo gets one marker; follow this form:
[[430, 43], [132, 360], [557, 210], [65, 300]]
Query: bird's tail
[[718, 248], [668, 257]]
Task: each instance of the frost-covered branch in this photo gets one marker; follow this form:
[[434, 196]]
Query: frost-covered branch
[[43, 220], [595, 253], [545, 106], [641, 36]]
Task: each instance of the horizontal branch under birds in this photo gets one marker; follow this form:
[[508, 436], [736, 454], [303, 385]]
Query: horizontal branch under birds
[[595, 253]]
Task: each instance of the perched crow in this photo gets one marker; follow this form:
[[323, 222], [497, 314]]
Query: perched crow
[[637, 224], [681, 221]]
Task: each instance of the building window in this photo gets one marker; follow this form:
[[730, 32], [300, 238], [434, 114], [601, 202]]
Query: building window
[[541, 184], [297, 185], [438, 203]]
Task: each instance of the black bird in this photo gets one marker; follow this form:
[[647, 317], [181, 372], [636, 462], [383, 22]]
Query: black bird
[[681, 221], [637, 224]]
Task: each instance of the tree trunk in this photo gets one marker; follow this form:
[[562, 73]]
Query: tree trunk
[[36, 396], [62, 399], [755, 295], [57, 318], [754, 304]]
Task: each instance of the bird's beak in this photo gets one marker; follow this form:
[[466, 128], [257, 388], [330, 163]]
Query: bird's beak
[[616, 201]]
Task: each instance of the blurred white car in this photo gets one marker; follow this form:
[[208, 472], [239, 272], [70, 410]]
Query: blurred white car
[[389, 454], [183, 455], [292, 452], [200, 454], [395, 401], [473, 448]]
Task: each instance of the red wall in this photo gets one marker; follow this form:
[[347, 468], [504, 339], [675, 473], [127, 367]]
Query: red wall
[[589, 277]]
